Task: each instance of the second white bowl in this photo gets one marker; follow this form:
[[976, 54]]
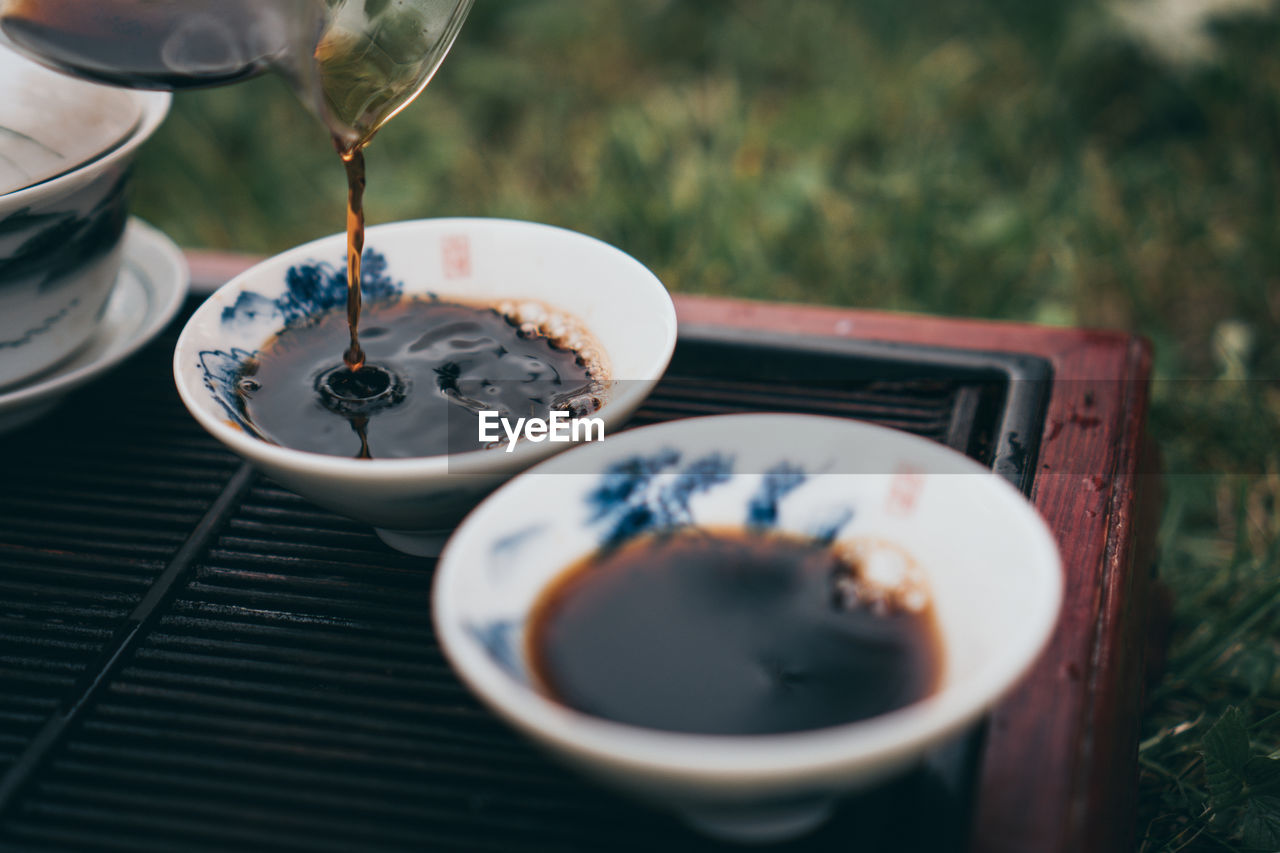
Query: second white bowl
[[988, 561]]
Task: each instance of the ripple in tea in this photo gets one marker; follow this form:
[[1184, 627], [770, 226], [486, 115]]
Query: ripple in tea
[[429, 367], [730, 633]]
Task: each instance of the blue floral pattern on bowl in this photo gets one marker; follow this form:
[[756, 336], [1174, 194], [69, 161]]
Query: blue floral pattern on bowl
[[311, 289], [654, 493]]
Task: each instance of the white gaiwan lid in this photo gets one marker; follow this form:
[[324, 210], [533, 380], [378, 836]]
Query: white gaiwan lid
[[50, 122]]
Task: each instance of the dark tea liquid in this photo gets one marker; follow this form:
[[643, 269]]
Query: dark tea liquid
[[429, 368], [728, 633]]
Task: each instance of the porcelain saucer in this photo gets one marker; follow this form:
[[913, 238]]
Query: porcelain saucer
[[150, 288]]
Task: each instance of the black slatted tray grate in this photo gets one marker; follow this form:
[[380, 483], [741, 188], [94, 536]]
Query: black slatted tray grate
[[192, 658]]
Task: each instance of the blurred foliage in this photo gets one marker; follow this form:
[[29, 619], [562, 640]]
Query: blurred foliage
[[998, 159]]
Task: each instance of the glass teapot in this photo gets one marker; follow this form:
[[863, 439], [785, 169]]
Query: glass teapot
[[354, 63]]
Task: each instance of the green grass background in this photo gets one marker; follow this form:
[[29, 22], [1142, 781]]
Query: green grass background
[[998, 159]]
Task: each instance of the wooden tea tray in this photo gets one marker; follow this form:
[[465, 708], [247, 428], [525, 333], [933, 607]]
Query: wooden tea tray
[[194, 659]]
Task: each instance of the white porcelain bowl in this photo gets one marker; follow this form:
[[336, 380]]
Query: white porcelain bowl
[[61, 237], [988, 560], [624, 307]]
